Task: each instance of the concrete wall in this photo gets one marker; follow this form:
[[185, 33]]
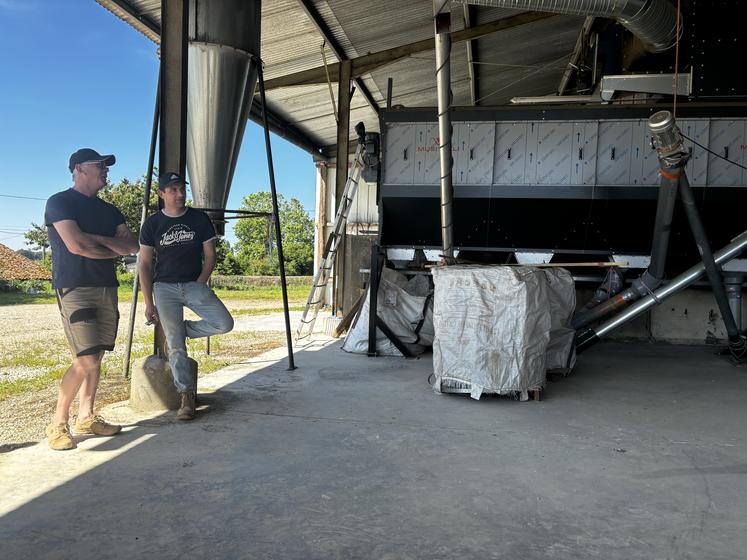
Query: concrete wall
[[690, 317]]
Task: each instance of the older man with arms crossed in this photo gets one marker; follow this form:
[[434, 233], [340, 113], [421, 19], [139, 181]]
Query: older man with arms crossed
[[86, 234], [182, 240]]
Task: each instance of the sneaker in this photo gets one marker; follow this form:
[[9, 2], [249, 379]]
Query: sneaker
[[59, 438], [187, 407], [96, 425]]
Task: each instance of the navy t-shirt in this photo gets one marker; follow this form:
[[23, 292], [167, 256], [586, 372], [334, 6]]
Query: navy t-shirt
[[92, 215], [177, 243]]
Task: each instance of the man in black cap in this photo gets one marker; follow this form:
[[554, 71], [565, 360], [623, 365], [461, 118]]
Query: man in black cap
[[183, 242], [86, 234]]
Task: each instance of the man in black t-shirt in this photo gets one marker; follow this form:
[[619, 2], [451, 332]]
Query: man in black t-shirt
[[182, 240], [86, 234]]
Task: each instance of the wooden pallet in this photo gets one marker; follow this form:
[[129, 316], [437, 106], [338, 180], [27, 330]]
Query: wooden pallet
[[530, 395]]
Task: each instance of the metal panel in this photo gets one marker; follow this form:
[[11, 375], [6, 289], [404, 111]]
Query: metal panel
[[399, 156], [644, 160], [614, 154], [530, 170], [460, 152], [364, 210], [510, 153], [481, 148], [697, 167], [554, 153], [426, 154], [727, 140], [584, 153]]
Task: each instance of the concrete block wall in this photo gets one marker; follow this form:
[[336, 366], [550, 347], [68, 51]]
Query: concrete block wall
[[690, 317]]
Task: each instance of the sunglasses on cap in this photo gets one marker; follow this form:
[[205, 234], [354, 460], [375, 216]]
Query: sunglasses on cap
[[98, 164]]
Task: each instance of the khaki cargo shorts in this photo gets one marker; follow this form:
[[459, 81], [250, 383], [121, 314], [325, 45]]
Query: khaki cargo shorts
[[90, 318]]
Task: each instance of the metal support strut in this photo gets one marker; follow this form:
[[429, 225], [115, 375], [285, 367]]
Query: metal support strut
[[668, 142], [143, 215], [278, 234]]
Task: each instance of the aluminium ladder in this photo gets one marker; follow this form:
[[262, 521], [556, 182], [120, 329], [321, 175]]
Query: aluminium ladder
[[306, 326]]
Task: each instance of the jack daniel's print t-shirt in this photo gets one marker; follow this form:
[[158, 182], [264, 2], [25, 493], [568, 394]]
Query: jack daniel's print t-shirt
[[177, 243]]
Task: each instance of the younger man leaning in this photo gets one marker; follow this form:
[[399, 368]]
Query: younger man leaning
[[182, 240]]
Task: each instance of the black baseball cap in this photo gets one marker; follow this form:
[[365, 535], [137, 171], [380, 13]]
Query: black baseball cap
[[87, 155], [170, 178]]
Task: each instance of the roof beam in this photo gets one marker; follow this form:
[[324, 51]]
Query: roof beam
[[288, 132], [368, 63], [326, 34], [135, 17], [576, 55], [277, 125], [469, 17]]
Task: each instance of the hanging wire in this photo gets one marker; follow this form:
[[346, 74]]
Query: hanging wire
[[712, 152], [528, 75], [23, 197], [329, 83]]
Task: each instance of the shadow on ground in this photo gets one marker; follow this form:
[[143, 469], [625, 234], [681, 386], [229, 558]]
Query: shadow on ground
[[639, 454]]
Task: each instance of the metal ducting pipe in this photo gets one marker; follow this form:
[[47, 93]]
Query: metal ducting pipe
[[442, 28], [589, 337], [652, 21]]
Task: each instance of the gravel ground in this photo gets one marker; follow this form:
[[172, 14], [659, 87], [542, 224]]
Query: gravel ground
[[35, 329]]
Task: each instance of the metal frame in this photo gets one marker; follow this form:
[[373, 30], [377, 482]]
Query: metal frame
[[367, 63], [279, 126], [378, 259], [574, 112], [327, 35]]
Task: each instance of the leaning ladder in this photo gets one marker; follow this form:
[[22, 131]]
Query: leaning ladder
[[313, 304]]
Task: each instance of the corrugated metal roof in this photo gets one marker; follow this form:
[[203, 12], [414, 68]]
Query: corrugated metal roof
[[525, 60]]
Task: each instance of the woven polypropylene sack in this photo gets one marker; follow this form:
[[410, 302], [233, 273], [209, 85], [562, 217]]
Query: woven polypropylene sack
[[492, 327]]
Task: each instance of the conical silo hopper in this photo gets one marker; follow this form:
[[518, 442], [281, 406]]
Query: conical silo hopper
[[224, 39]]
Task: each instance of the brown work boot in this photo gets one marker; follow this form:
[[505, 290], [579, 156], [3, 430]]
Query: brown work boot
[[59, 438], [96, 425], [187, 407]]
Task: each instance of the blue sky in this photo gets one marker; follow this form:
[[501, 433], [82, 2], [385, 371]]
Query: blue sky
[[73, 75]]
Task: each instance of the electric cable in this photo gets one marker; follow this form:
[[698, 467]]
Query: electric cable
[[712, 152], [24, 197]]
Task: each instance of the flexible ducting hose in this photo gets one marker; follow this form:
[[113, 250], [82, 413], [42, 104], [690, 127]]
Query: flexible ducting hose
[[653, 21]]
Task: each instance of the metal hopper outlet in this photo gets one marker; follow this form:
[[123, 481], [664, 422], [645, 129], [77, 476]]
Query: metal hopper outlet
[[224, 39]]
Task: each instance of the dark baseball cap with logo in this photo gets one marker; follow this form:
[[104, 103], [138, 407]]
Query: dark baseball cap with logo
[[87, 155], [170, 178]]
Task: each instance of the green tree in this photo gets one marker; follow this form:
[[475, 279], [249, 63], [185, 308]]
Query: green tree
[[31, 255], [226, 261], [257, 255], [37, 237], [127, 196]]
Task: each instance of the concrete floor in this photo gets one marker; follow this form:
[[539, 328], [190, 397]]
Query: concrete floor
[[641, 453]]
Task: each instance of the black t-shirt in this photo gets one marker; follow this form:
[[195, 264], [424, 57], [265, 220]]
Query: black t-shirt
[[92, 215], [177, 243]]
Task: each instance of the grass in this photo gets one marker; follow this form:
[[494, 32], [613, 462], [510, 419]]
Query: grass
[[49, 357], [16, 298], [244, 312], [225, 350], [9, 388], [254, 293]]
